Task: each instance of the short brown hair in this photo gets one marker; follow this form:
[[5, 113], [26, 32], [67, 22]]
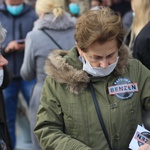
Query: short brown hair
[[99, 26]]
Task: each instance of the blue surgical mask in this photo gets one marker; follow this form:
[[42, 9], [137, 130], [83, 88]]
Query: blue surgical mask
[[15, 9], [74, 8], [98, 71]]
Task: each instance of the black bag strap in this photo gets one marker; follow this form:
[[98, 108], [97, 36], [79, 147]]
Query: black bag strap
[[51, 38], [99, 115]]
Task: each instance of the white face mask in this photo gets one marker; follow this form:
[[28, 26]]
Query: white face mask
[[98, 71], [1, 76]]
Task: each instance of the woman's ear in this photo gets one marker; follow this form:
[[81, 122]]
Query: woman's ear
[[79, 50]]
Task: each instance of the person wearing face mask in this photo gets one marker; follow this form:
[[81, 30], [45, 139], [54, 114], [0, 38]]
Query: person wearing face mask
[[18, 18], [74, 9], [5, 142], [94, 94], [77, 7]]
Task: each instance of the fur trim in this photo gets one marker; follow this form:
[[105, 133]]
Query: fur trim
[[57, 68], [60, 23], [76, 79]]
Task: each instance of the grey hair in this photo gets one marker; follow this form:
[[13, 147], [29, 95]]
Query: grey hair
[[2, 33]]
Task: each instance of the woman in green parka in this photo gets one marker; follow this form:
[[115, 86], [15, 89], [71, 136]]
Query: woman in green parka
[[100, 62]]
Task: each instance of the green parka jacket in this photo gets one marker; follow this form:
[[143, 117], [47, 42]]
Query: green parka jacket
[[67, 119]]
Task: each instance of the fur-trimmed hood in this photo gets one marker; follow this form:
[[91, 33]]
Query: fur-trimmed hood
[[64, 67]]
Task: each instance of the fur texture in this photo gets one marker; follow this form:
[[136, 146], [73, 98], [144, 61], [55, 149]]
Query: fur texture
[[76, 79], [50, 22], [62, 72]]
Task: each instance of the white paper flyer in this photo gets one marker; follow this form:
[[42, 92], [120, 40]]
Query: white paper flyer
[[140, 137]]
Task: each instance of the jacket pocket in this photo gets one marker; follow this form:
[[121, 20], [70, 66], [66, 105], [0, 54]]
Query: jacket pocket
[[70, 119]]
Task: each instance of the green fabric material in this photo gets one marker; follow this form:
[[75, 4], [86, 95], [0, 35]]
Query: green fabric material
[[69, 121]]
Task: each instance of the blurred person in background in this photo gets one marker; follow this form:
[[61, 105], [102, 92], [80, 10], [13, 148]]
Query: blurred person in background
[[5, 141], [1, 1], [30, 2], [127, 20], [141, 51], [55, 22], [95, 3], [107, 3], [141, 31], [121, 6], [77, 7], [141, 16], [17, 17], [138, 39]]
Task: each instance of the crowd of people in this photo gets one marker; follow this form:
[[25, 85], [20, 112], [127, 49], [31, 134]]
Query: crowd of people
[[82, 68]]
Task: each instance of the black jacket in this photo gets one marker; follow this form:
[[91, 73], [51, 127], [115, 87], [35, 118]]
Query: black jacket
[[141, 49], [4, 134]]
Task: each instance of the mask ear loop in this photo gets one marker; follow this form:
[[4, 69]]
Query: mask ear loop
[[85, 59], [79, 50]]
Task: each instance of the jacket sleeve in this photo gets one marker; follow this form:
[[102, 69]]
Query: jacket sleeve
[[144, 86], [49, 128], [28, 67]]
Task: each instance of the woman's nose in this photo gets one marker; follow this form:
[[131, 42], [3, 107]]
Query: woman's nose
[[104, 63]]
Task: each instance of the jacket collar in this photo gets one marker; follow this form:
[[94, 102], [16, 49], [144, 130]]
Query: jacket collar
[[50, 22]]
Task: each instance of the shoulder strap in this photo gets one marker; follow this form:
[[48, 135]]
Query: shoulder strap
[[51, 38], [99, 114]]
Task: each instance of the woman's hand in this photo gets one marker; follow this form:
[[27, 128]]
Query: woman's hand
[[14, 46], [144, 147]]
